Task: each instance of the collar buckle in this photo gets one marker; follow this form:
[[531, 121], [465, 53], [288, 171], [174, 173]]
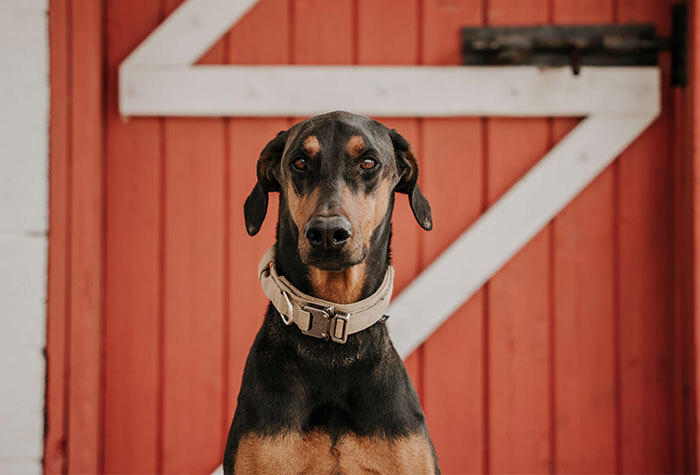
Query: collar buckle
[[326, 323]]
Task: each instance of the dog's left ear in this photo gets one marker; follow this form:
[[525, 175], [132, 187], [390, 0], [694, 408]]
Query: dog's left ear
[[408, 182], [255, 207]]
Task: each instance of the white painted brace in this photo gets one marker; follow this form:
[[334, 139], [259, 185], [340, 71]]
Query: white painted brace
[[305, 310]]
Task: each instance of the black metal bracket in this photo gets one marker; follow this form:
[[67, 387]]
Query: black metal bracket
[[577, 46]]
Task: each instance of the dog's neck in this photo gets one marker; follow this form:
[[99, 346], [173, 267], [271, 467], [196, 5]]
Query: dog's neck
[[346, 286]]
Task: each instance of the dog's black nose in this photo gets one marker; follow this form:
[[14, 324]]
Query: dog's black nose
[[328, 233]]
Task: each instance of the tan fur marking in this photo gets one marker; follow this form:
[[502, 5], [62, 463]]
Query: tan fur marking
[[408, 455], [312, 145], [314, 453], [301, 206], [356, 145], [285, 453], [342, 287], [365, 212]]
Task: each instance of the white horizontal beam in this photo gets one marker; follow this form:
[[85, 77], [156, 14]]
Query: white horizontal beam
[[508, 225], [398, 91]]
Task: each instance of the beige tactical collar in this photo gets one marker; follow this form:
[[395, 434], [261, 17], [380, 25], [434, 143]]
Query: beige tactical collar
[[321, 318]]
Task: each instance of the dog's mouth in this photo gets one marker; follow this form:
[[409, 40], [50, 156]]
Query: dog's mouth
[[334, 260]]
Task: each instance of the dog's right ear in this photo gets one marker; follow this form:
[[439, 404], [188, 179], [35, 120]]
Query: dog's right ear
[[255, 207]]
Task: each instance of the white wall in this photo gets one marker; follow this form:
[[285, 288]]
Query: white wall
[[24, 104]]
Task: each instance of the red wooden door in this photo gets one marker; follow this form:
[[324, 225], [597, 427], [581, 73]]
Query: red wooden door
[[564, 362]]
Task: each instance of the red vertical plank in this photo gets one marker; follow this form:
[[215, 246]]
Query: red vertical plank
[[85, 294], [261, 37], [453, 174], [644, 274], [59, 27], [584, 305], [686, 131], [683, 413], [453, 389], [192, 412], [584, 331], [132, 340], [387, 33], [194, 156], [519, 294], [323, 32], [694, 147], [644, 305]]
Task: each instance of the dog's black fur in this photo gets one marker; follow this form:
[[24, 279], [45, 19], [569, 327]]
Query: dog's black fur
[[293, 382]]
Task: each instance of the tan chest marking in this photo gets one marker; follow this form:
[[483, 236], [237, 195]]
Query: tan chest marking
[[314, 453], [343, 286]]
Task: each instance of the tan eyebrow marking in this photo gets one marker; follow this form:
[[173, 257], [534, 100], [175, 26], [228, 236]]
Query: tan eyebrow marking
[[311, 145], [356, 145]]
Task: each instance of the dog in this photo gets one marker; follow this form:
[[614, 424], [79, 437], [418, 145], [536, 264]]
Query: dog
[[323, 389]]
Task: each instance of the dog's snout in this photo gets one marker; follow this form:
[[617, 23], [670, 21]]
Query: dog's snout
[[329, 233]]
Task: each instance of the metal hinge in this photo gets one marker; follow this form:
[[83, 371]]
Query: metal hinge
[[592, 45]]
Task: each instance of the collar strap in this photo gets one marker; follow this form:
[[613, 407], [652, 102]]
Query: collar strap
[[322, 318]]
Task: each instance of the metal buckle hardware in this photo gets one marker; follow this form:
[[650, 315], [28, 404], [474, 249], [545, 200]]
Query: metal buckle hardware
[[326, 323], [287, 319], [339, 327]]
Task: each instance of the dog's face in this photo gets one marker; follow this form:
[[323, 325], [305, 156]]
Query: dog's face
[[336, 174]]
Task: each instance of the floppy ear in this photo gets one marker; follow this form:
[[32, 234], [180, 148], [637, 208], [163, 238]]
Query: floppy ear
[[255, 207], [408, 182]]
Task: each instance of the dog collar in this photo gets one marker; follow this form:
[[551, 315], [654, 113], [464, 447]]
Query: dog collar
[[322, 318]]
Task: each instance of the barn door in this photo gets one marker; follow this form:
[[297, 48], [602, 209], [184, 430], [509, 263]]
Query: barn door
[[548, 346]]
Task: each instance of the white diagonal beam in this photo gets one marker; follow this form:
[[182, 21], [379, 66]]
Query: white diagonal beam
[[188, 32], [509, 224]]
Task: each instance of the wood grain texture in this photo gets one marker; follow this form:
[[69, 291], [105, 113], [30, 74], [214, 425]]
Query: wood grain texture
[[518, 295], [455, 355], [193, 240], [682, 281], [694, 325], [85, 294], [58, 283], [584, 310], [133, 344], [323, 32], [519, 316], [584, 293], [193, 305], [563, 363], [643, 252]]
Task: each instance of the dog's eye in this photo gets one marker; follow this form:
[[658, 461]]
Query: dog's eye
[[300, 164], [368, 163]]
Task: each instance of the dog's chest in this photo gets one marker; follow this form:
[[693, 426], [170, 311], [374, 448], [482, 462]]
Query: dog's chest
[[315, 453]]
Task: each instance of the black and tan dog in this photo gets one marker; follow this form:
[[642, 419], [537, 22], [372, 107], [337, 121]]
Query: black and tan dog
[[323, 390]]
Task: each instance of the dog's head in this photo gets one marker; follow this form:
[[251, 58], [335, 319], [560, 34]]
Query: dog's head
[[336, 174]]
